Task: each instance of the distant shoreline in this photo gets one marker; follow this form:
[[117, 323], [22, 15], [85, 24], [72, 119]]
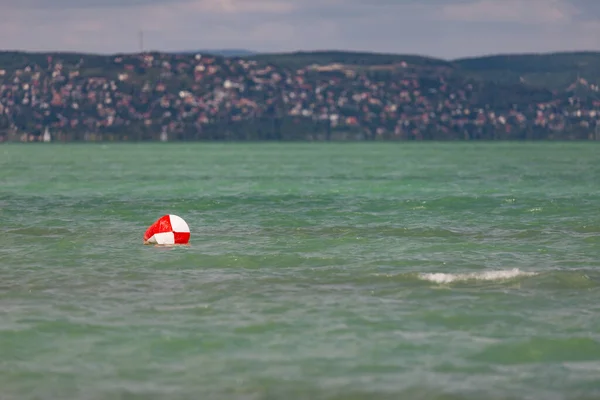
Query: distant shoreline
[[301, 96]]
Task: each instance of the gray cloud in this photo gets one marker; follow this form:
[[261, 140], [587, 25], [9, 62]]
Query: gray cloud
[[78, 4], [443, 28]]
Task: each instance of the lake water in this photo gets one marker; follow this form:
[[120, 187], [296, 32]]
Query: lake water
[[315, 271]]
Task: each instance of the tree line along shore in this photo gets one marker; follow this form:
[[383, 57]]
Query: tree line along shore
[[327, 95]]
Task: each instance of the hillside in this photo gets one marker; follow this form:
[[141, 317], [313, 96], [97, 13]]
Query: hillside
[[553, 70], [220, 52], [297, 96], [303, 59]]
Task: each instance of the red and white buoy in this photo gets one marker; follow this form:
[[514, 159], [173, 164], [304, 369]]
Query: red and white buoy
[[168, 229]]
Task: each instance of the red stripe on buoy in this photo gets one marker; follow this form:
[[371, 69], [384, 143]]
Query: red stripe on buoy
[[181, 237], [162, 225]]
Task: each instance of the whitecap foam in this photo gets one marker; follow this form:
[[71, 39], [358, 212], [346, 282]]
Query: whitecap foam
[[479, 276]]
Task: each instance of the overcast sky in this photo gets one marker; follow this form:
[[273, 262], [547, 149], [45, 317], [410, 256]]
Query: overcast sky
[[439, 28]]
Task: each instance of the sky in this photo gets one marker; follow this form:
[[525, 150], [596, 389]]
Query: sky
[[439, 28]]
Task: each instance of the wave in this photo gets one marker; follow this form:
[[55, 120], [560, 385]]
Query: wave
[[569, 279], [475, 276]]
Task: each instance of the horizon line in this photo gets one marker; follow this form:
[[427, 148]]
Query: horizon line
[[250, 53]]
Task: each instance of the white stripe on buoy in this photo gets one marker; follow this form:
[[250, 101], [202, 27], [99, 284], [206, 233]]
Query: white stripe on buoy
[[178, 224]]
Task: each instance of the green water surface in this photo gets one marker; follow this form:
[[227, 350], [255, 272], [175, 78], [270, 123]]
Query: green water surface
[[316, 271]]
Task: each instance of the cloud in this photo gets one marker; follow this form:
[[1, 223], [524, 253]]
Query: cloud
[[66, 5], [242, 6], [442, 28], [217, 6], [517, 11]]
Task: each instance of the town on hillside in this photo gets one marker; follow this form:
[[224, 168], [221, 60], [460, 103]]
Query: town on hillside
[[156, 96]]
